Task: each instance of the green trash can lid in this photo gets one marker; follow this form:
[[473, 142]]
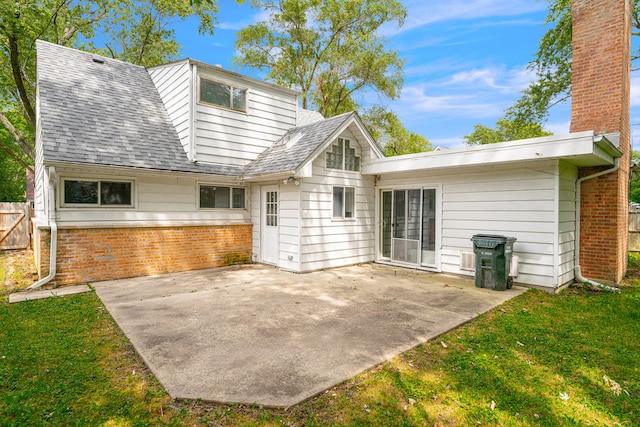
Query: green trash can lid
[[488, 241]]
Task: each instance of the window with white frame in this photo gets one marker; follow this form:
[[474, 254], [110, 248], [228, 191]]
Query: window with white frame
[[220, 197], [342, 156], [78, 192], [344, 202], [222, 95]]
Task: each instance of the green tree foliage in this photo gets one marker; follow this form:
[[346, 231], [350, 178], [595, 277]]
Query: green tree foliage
[[634, 179], [330, 50], [505, 130], [130, 30], [552, 65], [134, 31], [12, 172], [388, 130]]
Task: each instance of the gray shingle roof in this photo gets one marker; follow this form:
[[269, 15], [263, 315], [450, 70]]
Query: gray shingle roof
[[107, 113], [279, 158]]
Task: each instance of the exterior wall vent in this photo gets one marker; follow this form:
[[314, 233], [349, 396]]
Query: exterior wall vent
[[467, 261]]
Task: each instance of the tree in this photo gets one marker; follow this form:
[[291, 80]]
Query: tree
[[388, 130], [506, 130], [552, 65], [330, 50], [634, 179], [135, 31]]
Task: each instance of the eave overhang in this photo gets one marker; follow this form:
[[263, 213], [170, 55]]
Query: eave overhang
[[584, 149]]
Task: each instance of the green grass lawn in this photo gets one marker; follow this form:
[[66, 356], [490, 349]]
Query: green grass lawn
[[549, 360]]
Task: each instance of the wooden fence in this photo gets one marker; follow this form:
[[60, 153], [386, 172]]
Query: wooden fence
[[634, 231], [15, 225]]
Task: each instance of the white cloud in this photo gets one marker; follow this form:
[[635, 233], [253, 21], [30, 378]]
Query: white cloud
[[484, 76], [424, 12], [558, 128], [239, 25], [415, 98], [511, 80]]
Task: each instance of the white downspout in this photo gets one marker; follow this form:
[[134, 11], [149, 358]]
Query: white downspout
[[577, 271], [54, 231]]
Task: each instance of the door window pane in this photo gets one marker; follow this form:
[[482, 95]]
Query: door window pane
[[429, 227], [413, 217], [271, 218], [400, 217], [386, 224]]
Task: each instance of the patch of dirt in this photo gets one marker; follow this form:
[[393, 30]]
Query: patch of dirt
[[17, 271]]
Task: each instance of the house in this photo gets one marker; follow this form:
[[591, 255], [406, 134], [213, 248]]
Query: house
[[188, 166]]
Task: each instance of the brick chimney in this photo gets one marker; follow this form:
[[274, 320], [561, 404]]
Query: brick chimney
[[600, 102]]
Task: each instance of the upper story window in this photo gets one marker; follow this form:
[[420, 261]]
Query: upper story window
[[97, 193], [222, 95], [342, 156], [218, 197]]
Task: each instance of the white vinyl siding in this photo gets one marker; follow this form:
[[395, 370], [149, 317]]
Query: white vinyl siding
[[517, 201], [173, 84], [159, 200], [237, 137], [289, 227], [324, 241], [255, 210], [41, 188], [568, 175]]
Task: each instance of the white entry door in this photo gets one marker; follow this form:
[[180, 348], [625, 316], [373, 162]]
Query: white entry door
[[270, 236]]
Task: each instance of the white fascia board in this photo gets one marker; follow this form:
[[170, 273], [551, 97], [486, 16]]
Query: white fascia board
[[275, 176], [89, 168], [580, 147]]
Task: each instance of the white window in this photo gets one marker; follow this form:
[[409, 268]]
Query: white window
[[344, 202], [222, 95], [78, 192], [342, 156], [219, 197]]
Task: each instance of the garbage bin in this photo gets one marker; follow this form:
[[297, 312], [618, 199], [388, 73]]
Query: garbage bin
[[493, 260]]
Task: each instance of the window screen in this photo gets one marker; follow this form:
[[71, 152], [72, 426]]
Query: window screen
[[219, 197], [99, 193], [222, 95]]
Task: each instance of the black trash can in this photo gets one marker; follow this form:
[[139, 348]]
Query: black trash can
[[493, 260]]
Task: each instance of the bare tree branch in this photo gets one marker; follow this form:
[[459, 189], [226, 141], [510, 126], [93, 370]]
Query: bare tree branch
[[18, 77]]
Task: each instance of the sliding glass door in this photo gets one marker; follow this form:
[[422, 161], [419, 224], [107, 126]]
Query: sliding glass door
[[408, 226]]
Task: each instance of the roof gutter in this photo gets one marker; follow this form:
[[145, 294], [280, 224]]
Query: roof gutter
[[53, 245], [577, 270]]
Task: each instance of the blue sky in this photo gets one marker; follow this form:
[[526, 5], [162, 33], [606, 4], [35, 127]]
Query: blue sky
[[466, 61]]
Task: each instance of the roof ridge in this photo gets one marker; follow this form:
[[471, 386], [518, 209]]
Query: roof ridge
[[84, 52]]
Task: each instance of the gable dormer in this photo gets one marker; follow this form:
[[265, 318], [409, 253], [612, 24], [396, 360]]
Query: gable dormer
[[221, 116]]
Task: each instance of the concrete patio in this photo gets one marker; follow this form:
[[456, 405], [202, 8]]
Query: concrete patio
[[256, 334]]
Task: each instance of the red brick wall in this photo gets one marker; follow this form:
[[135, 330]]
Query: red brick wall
[[89, 255], [600, 102]]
